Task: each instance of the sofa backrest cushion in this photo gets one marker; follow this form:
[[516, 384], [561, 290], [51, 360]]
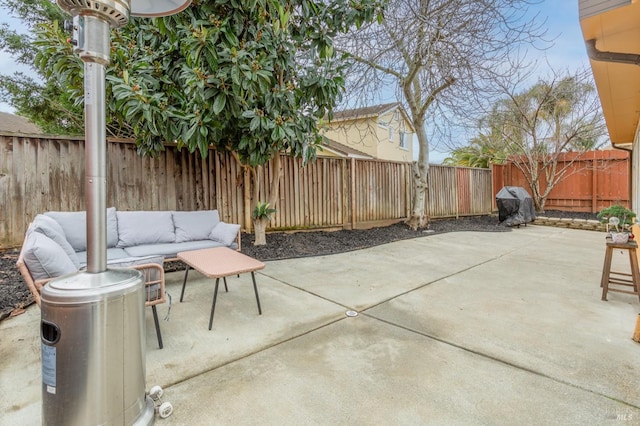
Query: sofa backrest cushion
[[52, 229], [195, 225], [45, 258], [145, 227], [224, 233], [74, 225]]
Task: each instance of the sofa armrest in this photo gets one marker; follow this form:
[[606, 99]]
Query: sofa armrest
[[154, 285], [35, 286]]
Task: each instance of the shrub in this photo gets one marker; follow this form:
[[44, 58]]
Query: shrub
[[625, 215]]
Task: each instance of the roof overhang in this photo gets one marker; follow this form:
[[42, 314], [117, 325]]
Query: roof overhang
[[611, 30]]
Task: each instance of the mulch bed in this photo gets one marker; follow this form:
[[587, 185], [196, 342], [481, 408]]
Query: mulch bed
[[15, 296]]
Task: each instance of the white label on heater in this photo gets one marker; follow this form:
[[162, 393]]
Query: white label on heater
[[49, 367], [51, 389]]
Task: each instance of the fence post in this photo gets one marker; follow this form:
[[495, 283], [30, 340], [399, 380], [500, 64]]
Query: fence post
[[408, 174], [247, 200], [594, 185], [353, 193]]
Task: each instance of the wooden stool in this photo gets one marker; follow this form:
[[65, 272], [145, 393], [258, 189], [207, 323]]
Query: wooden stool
[[619, 278]]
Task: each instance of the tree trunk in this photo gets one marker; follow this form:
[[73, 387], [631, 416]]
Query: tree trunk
[[419, 217], [260, 231], [419, 212]]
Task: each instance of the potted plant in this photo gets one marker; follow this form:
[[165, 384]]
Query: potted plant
[[619, 218], [261, 216]]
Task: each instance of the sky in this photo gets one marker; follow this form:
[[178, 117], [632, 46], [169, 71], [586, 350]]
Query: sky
[[567, 53]]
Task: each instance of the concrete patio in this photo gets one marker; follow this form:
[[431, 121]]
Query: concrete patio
[[461, 328]]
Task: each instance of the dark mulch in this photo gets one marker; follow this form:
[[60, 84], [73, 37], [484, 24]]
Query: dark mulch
[[14, 295]]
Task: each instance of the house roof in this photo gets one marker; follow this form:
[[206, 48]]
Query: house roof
[[16, 124], [344, 150], [365, 112], [611, 31], [370, 112]]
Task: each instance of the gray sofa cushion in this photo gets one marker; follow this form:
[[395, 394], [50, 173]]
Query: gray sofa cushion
[[225, 233], [195, 225], [74, 225], [127, 262], [145, 227], [52, 229], [45, 258], [171, 250], [112, 255]]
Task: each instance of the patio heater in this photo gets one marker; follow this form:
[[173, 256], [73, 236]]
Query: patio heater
[[92, 327]]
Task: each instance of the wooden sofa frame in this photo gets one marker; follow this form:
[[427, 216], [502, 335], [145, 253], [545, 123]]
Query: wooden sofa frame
[[153, 275]]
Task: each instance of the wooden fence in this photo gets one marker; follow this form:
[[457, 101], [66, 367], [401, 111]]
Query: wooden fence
[[39, 174], [596, 180]]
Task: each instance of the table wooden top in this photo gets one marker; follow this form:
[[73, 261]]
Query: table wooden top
[[631, 244], [220, 262]]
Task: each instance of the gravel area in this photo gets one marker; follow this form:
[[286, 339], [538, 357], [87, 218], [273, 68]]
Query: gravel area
[[14, 295]]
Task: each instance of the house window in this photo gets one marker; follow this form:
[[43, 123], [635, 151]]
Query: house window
[[404, 140], [383, 124], [390, 134]]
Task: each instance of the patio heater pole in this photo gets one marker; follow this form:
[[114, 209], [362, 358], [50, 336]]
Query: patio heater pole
[[93, 40], [92, 325], [92, 20]]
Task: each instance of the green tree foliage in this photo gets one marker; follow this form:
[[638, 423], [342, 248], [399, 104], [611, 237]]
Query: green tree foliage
[[45, 101], [251, 77], [483, 150]]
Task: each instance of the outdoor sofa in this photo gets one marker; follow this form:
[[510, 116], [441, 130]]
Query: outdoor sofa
[[55, 245]]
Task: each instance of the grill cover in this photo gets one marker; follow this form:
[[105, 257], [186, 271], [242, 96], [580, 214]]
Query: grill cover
[[515, 206]]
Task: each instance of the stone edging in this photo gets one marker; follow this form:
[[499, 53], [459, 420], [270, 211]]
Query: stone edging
[[588, 224]]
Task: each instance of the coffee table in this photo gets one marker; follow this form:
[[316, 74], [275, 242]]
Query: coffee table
[[220, 262]]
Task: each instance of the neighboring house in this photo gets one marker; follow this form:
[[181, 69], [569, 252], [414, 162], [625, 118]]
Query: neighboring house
[[383, 132], [16, 124], [611, 31]]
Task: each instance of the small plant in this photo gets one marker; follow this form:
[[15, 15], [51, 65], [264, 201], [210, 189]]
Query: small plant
[[262, 211], [624, 215]]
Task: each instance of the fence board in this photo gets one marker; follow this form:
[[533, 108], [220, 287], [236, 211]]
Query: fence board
[[330, 192], [596, 180]]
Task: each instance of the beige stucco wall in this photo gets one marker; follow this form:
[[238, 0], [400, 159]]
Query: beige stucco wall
[[390, 149], [358, 134], [368, 136]]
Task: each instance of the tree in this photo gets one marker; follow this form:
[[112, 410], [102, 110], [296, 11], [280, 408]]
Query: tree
[[44, 101], [440, 55], [481, 152], [252, 78], [537, 126]]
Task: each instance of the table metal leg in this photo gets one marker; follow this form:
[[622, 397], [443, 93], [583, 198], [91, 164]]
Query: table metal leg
[[226, 289], [255, 288], [184, 283], [157, 324], [213, 305]]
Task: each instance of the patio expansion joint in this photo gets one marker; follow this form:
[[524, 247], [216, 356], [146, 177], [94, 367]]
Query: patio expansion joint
[[453, 274], [502, 361], [275, 344], [304, 290], [254, 352]]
